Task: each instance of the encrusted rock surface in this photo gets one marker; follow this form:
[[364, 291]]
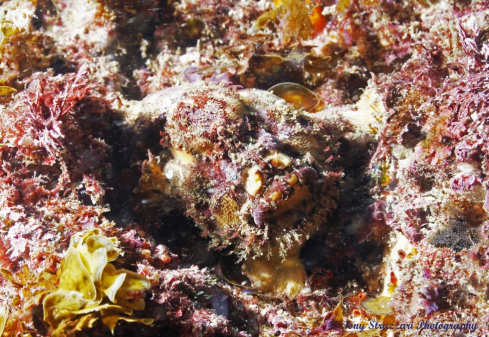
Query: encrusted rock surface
[[249, 214], [250, 170]]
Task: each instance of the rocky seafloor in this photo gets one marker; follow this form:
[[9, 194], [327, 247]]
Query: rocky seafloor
[[244, 168]]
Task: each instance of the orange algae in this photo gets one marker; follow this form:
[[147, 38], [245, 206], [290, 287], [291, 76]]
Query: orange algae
[[318, 20]]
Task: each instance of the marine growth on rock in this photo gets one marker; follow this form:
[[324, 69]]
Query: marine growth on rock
[[244, 168], [252, 171]]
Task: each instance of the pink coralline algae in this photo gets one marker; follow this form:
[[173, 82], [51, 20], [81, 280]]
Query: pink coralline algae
[[435, 193], [269, 168]]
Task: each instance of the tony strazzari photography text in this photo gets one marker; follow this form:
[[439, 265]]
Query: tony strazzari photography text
[[410, 326]]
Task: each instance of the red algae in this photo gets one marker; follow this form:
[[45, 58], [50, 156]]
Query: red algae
[[142, 121]]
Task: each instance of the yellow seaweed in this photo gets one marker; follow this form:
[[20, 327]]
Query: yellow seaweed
[[86, 279], [266, 17], [111, 283], [111, 321], [61, 305], [96, 250], [132, 282], [5, 90], [378, 306], [75, 277], [3, 318]]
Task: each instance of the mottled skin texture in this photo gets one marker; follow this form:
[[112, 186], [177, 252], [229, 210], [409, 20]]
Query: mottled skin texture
[[254, 174]]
